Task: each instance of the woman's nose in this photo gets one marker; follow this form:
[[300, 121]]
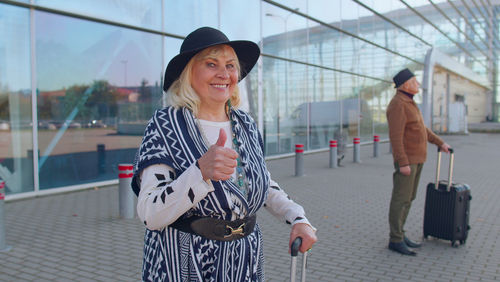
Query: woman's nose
[[223, 73]]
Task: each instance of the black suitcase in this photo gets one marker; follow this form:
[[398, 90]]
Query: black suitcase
[[447, 208]]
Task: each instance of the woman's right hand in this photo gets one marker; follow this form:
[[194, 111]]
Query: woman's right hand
[[218, 163]]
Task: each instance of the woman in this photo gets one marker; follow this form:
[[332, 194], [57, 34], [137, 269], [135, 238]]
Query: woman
[[200, 173]]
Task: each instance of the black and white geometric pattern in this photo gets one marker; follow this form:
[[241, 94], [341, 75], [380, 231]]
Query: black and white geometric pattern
[[173, 138]]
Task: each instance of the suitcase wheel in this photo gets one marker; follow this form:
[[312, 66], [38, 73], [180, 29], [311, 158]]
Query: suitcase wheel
[[462, 242], [454, 244]]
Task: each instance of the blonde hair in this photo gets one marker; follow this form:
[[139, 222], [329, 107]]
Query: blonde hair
[[181, 94]]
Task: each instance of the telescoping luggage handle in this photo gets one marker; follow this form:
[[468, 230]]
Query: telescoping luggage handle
[[450, 171], [295, 251]]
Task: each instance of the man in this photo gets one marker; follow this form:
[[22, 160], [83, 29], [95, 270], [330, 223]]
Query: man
[[409, 136]]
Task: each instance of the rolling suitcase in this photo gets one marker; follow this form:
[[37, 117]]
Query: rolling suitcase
[[293, 267], [446, 214]]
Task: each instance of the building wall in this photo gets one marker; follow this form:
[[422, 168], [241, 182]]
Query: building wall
[[475, 98]]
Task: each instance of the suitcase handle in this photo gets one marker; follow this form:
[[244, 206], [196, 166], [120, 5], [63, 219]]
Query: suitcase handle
[[295, 246], [294, 250], [450, 170]]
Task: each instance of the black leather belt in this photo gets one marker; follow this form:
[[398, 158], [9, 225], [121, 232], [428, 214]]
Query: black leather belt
[[216, 229]]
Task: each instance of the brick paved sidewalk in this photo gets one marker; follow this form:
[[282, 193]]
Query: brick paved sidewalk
[[79, 236]]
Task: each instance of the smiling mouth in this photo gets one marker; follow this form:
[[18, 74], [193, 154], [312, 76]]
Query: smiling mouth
[[221, 86]]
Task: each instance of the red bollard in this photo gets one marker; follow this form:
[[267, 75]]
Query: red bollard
[[376, 140], [356, 142], [126, 196], [333, 154], [299, 159]]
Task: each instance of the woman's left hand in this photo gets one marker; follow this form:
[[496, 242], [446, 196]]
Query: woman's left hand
[[307, 234]]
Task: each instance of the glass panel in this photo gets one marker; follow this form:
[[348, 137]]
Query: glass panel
[[326, 11], [98, 86], [248, 29], [195, 14], [382, 96], [172, 47], [366, 108], [349, 12], [349, 106], [16, 135], [231, 15], [142, 13], [324, 121], [284, 33], [294, 107], [452, 43], [285, 108]]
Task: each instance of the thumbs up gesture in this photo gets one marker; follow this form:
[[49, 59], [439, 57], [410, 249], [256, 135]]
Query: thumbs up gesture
[[218, 163]]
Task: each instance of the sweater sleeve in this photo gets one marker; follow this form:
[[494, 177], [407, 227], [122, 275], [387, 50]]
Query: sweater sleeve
[[433, 138], [163, 198], [396, 118], [280, 205]]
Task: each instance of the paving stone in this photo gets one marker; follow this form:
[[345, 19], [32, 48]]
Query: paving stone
[[348, 205]]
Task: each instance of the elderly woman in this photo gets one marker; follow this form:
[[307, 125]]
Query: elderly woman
[[200, 173]]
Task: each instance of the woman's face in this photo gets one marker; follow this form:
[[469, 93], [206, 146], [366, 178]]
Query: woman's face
[[215, 75]]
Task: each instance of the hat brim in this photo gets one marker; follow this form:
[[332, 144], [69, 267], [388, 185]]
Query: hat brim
[[247, 52]]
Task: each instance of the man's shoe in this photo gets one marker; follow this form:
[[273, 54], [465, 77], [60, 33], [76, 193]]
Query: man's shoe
[[401, 248], [412, 244]]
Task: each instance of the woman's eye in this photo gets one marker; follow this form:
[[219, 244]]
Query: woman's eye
[[230, 66], [211, 65]]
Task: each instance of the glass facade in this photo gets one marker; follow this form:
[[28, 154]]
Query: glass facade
[[97, 86], [16, 135], [78, 82]]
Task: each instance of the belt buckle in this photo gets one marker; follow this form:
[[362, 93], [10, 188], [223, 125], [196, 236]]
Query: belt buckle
[[236, 231]]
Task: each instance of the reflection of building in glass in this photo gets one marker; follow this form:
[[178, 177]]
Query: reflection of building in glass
[[358, 57], [80, 86]]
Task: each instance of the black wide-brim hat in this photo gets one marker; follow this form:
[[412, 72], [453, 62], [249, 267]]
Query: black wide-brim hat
[[402, 77], [247, 52]]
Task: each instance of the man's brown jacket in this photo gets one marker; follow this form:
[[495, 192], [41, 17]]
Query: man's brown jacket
[[407, 131]]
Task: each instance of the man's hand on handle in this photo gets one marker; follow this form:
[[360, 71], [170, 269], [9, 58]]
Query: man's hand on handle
[[445, 148], [406, 170], [218, 163], [306, 232]]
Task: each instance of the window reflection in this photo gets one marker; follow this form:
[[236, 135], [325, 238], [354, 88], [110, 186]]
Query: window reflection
[[232, 24], [195, 14], [145, 14], [97, 90], [16, 136]]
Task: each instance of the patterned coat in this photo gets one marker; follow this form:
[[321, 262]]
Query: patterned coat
[[173, 138]]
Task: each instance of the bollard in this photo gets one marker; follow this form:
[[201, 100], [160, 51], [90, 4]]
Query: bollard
[[299, 159], [376, 140], [333, 154], [3, 246], [356, 142], [125, 194], [101, 158]]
